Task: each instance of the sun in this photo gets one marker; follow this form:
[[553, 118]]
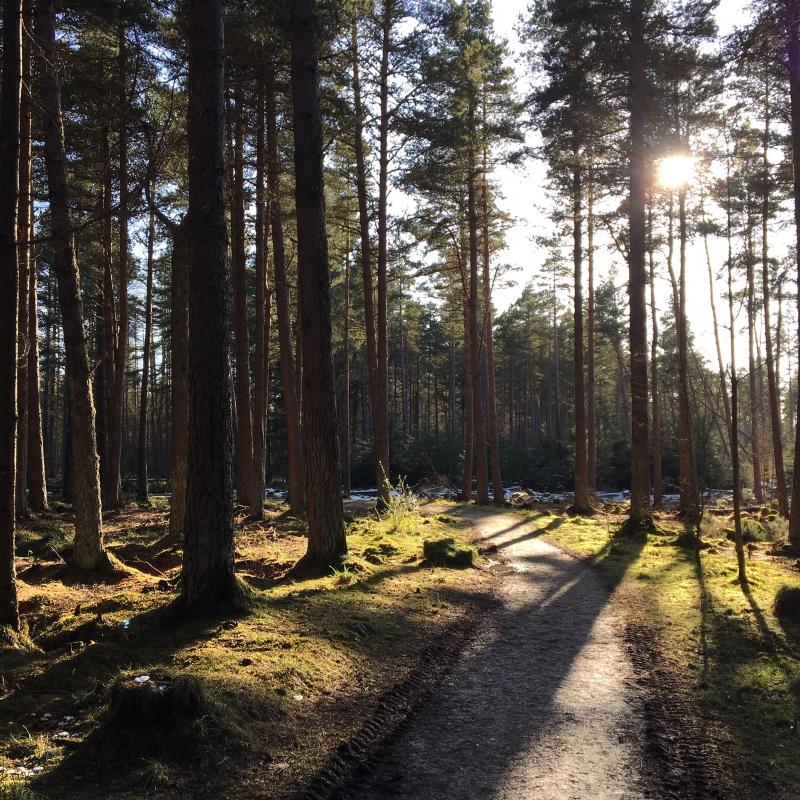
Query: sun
[[676, 171]]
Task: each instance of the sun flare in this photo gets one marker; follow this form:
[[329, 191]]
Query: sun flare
[[676, 171]]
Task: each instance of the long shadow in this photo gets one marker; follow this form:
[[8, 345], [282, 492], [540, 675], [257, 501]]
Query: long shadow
[[503, 699], [731, 646]]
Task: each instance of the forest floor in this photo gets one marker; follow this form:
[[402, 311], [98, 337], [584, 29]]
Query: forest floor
[[570, 663], [284, 684]]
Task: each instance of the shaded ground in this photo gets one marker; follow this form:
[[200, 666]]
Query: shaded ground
[[544, 702]]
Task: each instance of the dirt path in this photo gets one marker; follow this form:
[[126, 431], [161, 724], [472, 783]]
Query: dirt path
[[542, 705]]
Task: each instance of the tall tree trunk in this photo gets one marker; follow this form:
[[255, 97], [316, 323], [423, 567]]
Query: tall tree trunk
[[117, 416], [478, 424], [755, 410], [291, 399], [88, 551], [179, 360], [261, 371], [640, 515], [469, 453], [582, 503], [772, 382], [380, 416], [326, 536], [345, 407], [106, 333], [370, 329], [244, 415], [713, 302], [488, 334], [591, 415], [141, 472], [24, 247], [656, 437], [793, 50], [208, 555], [37, 483], [9, 302], [690, 501]]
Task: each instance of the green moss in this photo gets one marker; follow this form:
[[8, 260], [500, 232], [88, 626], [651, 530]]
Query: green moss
[[734, 655]]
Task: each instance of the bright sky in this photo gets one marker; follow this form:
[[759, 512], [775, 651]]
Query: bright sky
[[522, 188]]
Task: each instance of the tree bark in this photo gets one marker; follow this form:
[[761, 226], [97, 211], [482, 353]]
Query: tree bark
[[326, 536], [244, 415], [25, 263], [478, 417], [793, 50], [208, 556], [141, 472], [640, 515], [179, 360], [117, 417], [345, 407], [88, 551], [582, 503], [690, 501], [291, 400], [772, 381], [591, 414], [370, 329], [261, 371], [656, 436], [488, 334], [9, 303], [755, 410], [380, 416]]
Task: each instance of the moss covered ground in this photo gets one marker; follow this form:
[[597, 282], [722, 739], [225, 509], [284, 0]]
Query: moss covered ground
[[737, 662], [283, 684]]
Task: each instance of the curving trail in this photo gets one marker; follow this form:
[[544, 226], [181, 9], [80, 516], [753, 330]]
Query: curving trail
[[543, 704]]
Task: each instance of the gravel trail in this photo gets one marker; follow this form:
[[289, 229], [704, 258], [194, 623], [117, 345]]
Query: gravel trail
[[543, 704]]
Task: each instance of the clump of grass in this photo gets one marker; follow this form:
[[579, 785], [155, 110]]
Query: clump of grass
[[446, 552], [16, 789], [402, 506], [776, 528], [787, 603]]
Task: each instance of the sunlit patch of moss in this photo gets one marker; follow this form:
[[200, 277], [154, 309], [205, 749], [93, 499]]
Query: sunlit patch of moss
[[735, 656]]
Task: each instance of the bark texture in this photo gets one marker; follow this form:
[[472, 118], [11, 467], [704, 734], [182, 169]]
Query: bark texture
[[88, 551], [208, 557], [326, 536]]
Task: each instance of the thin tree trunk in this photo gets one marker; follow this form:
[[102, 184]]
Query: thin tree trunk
[[690, 501], [370, 329], [141, 473], [24, 246], [488, 334], [345, 407], [582, 502], [793, 51], [244, 416], [208, 556], [291, 400], [591, 414], [326, 535], [772, 382], [478, 424], [9, 302], [380, 416], [261, 372], [37, 483], [657, 441], [640, 515], [117, 415], [466, 485], [88, 551], [755, 411]]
